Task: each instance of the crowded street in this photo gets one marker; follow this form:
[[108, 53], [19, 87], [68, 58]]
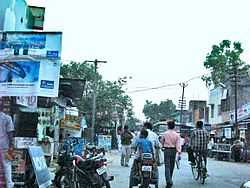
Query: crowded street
[[123, 94], [222, 174]]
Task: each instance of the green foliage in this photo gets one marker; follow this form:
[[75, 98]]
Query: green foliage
[[223, 60], [155, 112], [110, 96]]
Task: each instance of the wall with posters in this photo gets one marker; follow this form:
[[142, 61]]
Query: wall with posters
[[26, 58]]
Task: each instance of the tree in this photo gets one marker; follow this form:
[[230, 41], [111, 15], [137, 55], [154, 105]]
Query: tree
[[223, 60], [110, 95], [155, 112]]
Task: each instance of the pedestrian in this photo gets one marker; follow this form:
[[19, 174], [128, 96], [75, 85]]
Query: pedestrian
[[126, 140], [6, 146], [2, 174], [119, 132], [154, 139], [236, 150], [171, 144]]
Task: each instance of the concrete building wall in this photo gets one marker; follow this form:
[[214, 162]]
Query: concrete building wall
[[215, 96], [4, 5], [198, 110], [19, 13], [243, 91]]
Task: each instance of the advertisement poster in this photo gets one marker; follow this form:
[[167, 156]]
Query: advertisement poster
[[43, 177], [105, 141], [30, 64]]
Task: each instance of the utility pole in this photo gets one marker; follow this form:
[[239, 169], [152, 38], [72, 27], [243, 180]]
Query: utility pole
[[94, 98], [235, 81], [182, 102]]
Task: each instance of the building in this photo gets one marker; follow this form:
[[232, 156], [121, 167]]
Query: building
[[17, 15], [222, 110], [199, 111]]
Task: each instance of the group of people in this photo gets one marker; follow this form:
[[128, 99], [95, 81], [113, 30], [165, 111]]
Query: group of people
[[170, 142]]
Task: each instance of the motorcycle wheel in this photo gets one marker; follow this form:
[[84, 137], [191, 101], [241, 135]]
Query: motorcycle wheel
[[145, 183]]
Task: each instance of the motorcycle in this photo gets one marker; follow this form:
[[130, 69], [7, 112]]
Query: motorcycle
[[77, 172], [63, 176], [147, 172], [91, 173]]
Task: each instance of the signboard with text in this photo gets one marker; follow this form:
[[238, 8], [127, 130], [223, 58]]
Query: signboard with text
[[42, 173], [30, 63]]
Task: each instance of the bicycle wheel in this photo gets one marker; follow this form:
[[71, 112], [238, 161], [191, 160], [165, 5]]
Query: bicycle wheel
[[203, 172], [195, 171]]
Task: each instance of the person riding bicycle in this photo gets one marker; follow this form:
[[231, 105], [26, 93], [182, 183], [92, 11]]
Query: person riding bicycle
[[198, 143]]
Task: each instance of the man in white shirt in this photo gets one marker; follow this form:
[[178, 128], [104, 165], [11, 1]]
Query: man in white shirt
[[6, 146], [154, 138]]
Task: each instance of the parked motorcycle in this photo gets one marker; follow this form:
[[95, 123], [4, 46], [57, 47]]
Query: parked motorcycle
[[147, 172], [91, 173], [78, 172]]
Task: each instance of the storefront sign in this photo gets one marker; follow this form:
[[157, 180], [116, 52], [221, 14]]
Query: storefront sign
[[104, 141], [228, 133], [40, 167], [28, 101], [242, 112]]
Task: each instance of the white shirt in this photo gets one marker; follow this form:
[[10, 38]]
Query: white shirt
[[6, 126], [153, 138]]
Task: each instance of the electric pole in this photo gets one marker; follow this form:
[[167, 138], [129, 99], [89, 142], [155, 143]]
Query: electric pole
[[235, 80], [182, 102], [94, 98]]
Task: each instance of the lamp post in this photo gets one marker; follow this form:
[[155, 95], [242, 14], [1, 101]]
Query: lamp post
[[94, 98]]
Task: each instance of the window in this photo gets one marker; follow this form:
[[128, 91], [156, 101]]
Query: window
[[35, 17], [225, 107], [212, 110], [219, 109]]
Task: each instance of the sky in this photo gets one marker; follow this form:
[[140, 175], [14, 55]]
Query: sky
[[156, 42]]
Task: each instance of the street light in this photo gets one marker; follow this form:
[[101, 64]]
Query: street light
[[94, 99]]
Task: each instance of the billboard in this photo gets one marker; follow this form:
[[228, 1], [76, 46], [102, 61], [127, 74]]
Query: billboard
[[30, 63]]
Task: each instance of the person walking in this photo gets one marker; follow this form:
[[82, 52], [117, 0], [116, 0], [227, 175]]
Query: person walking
[[126, 140], [154, 139], [171, 144], [6, 146]]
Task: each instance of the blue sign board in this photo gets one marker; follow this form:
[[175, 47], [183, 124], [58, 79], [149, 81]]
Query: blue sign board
[[42, 173]]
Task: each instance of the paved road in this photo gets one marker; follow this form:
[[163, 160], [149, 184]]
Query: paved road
[[222, 174]]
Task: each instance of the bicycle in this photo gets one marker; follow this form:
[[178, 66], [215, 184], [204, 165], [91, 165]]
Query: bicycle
[[199, 169]]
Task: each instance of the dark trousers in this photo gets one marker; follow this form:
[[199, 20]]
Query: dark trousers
[[169, 160], [191, 156]]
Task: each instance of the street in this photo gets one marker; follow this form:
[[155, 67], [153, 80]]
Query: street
[[221, 174]]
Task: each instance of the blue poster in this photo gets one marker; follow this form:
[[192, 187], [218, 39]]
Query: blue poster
[[40, 167], [19, 71]]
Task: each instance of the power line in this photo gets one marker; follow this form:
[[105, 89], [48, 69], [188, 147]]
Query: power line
[[152, 88], [165, 85]]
